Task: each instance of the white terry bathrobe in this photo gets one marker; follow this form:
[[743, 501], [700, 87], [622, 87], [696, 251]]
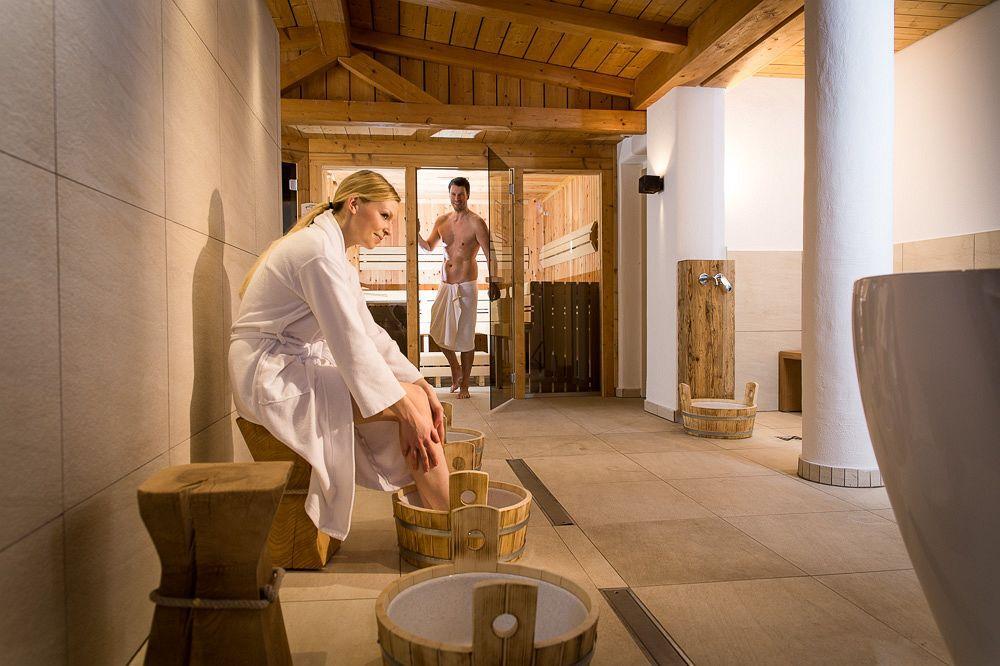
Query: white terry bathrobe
[[305, 343]]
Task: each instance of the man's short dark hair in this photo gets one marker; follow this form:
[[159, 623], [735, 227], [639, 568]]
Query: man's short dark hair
[[461, 181]]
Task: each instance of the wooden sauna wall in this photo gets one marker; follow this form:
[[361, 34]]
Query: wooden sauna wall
[[574, 203], [706, 329], [562, 338]]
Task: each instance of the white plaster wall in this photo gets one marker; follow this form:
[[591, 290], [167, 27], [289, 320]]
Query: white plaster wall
[[764, 148], [631, 162], [947, 154], [685, 144]]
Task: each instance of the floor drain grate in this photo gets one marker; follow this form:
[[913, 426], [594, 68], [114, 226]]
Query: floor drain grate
[[543, 497], [659, 647]]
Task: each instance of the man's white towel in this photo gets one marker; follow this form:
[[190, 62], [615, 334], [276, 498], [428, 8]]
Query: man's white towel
[[453, 316]]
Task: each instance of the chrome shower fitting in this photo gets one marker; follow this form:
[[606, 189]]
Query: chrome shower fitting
[[722, 281]]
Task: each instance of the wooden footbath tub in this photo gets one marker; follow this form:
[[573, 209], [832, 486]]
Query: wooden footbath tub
[[458, 455], [480, 611], [425, 535], [719, 418]]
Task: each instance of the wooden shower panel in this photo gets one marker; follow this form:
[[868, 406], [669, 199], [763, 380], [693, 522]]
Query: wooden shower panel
[[706, 329]]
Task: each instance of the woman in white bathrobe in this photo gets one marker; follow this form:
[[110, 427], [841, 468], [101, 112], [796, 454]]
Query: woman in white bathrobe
[[306, 361]]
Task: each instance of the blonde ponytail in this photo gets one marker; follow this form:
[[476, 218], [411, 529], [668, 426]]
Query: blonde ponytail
[[366, 185]]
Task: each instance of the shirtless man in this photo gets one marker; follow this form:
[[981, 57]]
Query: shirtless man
[[453, 316]]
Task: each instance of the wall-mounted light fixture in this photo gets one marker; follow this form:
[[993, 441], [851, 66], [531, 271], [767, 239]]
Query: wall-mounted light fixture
[[650, 184]]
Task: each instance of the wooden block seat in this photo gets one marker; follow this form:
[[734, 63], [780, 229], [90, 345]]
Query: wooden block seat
[[480, 611], [217, 602], [294, 541], [719, 418], [425, 535]]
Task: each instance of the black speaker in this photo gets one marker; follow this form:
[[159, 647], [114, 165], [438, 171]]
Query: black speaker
[[650, 184]]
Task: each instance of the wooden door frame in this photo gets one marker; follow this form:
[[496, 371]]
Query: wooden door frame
[[608, 285]]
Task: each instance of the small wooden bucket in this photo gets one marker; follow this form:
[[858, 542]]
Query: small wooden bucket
[[463, 449], [719, 418], [460, 613], [425, 535], [449, 412]]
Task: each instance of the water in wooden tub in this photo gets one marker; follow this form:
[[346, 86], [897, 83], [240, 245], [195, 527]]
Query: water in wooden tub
[[496, 497], [450, 597]]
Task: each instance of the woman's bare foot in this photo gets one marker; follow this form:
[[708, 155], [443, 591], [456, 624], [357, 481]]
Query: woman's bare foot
[[454, 387], [464, 393]]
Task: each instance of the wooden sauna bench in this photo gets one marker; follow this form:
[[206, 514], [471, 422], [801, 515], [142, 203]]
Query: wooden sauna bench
[[294, 541]]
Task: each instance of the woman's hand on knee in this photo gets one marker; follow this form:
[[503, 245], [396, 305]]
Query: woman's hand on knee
[[419, 440], [437, 411]]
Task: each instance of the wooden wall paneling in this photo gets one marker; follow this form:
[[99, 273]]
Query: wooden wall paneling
[[386, 15], [392, 63], [413, 71], [578, 99], [361, 13], [562, 338], [412, 20], [281, 12], [706, 329], [600, 101], [543, 44], [303, 15], [568, 50], [484, 89], [609, 285], [338, 83], [438, 25], [620, 103], [532, 93], [461, 88], [556, 97], [437, 82], [465, 30], [508, 91], [412, 268], [595, 53], [517, 39]]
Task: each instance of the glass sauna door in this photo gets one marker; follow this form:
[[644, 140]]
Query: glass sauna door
[[501, 186]]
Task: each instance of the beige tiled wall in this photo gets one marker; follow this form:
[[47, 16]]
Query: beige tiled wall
[[139, 159], [768, 317], [980, 250], [769, 298]]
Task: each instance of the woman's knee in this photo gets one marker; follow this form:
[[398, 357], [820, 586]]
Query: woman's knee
[[417, 397]]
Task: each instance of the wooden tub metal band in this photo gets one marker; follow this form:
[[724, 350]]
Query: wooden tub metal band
[[430, 559], [392, 662], [430, 531], [268, 594], [716, 434], [714, 417]]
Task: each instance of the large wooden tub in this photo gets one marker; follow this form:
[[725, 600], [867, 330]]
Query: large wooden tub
[[479, 611], [719, 418], [425, 535], [463, 449]]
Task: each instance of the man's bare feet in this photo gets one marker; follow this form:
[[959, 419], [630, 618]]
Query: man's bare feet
[[464, 393]]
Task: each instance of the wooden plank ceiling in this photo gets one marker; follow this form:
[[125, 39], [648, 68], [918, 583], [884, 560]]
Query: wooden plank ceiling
[[544, 54]]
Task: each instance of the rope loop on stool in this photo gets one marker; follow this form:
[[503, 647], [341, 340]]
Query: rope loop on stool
[[268, 594]]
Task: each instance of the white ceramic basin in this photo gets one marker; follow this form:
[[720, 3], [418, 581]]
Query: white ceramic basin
[[927, 347]]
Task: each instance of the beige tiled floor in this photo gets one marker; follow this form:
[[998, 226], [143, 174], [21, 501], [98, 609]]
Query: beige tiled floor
[[739, 559]]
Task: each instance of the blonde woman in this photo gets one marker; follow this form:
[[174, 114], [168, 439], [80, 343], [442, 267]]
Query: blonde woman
[[308, 362]]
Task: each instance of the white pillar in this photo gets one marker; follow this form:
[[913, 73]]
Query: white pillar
[[631, 216], [847, 226]]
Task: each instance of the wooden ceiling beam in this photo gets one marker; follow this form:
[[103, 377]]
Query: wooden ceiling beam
[[332, 25], [297, 39], [386, 80], [395, 114], [457, 147], [444, 54], [784, 36], [723, 32], [307, 64], [574, 20]]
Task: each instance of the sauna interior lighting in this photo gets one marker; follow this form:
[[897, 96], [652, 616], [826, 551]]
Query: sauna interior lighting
[[455, 134]]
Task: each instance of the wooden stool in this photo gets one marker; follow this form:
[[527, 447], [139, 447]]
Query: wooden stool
[[294, 541], [217, 602]]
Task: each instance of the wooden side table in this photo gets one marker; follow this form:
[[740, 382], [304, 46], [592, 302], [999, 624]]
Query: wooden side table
[[790, 381]]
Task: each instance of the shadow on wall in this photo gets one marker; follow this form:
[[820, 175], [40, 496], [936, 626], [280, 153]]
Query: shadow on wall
[[211, 321]]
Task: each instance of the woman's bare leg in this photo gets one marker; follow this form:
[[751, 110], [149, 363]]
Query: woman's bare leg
[[432, 484]]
